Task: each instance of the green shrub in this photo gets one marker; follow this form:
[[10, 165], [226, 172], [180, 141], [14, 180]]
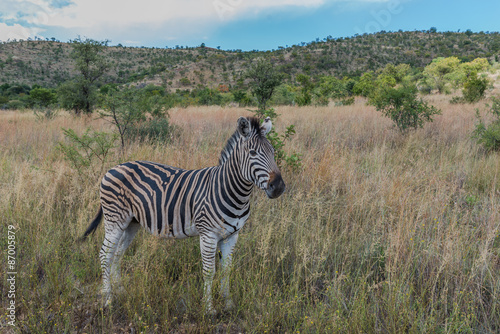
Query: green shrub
[[457, 100], [138, 113], [365, 86], [156, 129], [15, 104], [474, 88], [241, 97], [91, 149], [71, 98], [403, 107], [3, 102], [278, 141], [330, 87], [206, 96], [44, 113], [488, 136], [42, 97], [305, 96], [185, 82], [284, 95]]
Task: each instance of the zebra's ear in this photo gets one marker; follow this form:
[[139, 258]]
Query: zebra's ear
[[244, 127], [266, 126]]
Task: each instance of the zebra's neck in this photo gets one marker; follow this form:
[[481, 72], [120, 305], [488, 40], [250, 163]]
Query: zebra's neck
[[232, 183]]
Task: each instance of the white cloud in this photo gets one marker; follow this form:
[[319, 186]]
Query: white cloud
[[17, 31], [101, 18]]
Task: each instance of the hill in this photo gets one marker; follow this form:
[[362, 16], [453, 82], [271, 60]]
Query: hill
[[48, 63]]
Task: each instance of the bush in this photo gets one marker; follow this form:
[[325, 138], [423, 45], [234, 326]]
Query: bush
[[185, 82], [305, 96], [403, 107], [474, 88], [3, 102], [207, 96], [71, 98], [92, 149], [294, 160], [457, 100], [365, 86], [15, 104], [330, 87], [45, 113], [42, 97], [242, 98], [156, 129], [284, 95], [489, 135]]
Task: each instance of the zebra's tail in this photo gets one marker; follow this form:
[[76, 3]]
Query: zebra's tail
[[93, 224]]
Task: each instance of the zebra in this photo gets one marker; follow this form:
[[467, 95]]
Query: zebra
[[170, 202]]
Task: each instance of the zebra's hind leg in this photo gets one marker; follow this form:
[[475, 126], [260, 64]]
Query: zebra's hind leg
[[127, 237], [112, 236], [226, 247]]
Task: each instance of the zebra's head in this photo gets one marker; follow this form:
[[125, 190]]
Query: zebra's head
[[257, 156]]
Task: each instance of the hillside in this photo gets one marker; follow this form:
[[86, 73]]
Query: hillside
[[48, 63]]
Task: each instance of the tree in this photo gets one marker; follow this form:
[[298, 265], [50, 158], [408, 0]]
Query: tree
[[403, 107], [394, 74], [305, 97], [137, 113], [123, 109], [436, 74], [464, 71], [42, 97], [366, 85], [70, 96], [264, 78], [331, 87], [92, 65]]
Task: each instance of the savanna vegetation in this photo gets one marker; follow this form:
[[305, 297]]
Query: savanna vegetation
[[377, 232], [390, 221], [311, 73]]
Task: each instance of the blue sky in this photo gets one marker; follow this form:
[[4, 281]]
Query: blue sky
[[235, 24]]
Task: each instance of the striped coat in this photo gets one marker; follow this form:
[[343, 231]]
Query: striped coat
[[170, 202]]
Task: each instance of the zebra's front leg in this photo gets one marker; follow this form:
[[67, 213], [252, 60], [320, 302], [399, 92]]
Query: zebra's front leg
[[226, 248], [208, 246]]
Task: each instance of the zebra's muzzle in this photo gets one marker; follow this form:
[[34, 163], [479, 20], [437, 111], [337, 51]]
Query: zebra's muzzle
[[276, 186]]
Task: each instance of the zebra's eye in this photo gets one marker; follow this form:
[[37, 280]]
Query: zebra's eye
[[253, 153]]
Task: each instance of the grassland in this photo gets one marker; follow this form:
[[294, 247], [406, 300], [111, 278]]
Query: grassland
[[377, 233]]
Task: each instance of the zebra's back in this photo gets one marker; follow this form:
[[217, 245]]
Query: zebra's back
[[161, 198]]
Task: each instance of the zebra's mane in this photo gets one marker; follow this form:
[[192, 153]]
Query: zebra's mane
[[233, 140]]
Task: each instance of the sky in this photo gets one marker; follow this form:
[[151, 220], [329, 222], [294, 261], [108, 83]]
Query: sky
[[236, 24]]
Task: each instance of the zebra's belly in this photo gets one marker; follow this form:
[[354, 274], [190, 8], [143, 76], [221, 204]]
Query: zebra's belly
[[177, 230]]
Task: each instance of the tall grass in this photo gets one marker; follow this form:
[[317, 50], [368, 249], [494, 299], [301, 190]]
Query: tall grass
[[377, 233]]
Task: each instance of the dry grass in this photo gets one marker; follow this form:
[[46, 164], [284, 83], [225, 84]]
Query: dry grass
[[377, 233]]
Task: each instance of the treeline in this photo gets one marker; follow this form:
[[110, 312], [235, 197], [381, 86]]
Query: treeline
[[49, 63], [442, 75]]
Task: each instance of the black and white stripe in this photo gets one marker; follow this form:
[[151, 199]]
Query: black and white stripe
[[170, 202]]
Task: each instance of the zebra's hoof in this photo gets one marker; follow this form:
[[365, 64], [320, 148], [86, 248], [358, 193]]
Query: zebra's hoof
[[106, 298], [210, 311], [229, 305]]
